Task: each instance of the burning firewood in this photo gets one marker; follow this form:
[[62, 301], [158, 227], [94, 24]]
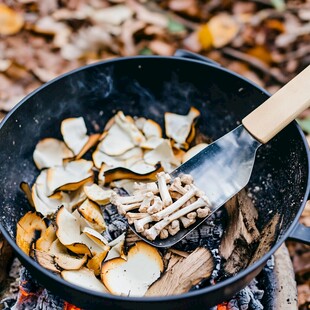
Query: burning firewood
[[184, 274]]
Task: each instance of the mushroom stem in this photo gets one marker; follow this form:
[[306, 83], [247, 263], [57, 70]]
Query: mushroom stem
[[139, 224], [176, 205], [162, 179], [156, 206], [143, 188], [153, 232], [146, 202], [176, 186], [132, 216]]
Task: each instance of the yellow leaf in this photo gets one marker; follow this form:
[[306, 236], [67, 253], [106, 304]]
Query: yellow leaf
[[223, 28], [205, 36], [11, 22]]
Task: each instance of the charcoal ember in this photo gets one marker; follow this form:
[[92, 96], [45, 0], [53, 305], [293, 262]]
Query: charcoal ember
[[116, 223], [33, 296], [207, 234]]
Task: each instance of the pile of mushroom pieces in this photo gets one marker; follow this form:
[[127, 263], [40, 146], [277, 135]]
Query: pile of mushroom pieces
[[65, 230]]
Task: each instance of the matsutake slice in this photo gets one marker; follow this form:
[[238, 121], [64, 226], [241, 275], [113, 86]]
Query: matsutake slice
[[84, 278], [193, 151], [51, 152], [70, 176], [178, 126], [92, 213], [163, 153], [117, 248], [65, 260], [70, 235], [123, 160], [29, 229], [122, 136], [133, 276], [97, 194], [74, 133]]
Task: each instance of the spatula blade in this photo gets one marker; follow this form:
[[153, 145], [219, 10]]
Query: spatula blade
[[220, 170]]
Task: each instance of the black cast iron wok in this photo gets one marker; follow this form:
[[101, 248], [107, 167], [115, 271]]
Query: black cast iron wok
[[149, 86]]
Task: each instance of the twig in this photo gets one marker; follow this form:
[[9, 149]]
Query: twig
[[256, 63]]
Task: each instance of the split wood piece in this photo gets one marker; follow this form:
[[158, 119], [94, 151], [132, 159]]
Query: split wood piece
[[241, 224], [268, 237], [184, 274]]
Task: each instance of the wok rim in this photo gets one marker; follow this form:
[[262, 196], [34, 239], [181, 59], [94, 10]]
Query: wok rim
[[218, 286]]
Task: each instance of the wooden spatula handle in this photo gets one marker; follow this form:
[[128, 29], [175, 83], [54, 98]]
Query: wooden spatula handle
[[280, 109]]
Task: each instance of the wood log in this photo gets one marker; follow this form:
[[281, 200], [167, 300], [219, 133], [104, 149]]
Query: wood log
[[184, 274], [267, 238]]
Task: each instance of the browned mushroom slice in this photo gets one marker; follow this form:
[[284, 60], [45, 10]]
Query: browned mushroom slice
[[123, 173], [50, 152], [46, 260], [65, 260], [47, 238], [123, 160], [151, 143], [151, 129], [122, 136], [178, 126], [133, 276], [84, 278], [96, 237], [95, 262], [193, 151], [117, 248], [69, 177], [29, 229], [74, 133], [162, 153], [97, 194], [92, 140], [92, 213], [25, 187], [69, 234]]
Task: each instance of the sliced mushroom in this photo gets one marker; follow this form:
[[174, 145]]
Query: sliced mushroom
[[115, 142], [51, 152], [123, 160], [152, 143], [29, 229], [25, 187], [47, 238], [74, 133], [92, 140], [69, 234], [95, 262], [178, 126], [84, 278], [65, 260], [96, 237], [69, 177], [151, 129], [92, 213], [97, 194], [117, 248], [193, 151], [123, 173], [133, 277], [46, 260], [162, 153]]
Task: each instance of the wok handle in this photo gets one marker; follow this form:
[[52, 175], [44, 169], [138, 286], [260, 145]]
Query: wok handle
[[187, 54], [280, 109], [300, 233]]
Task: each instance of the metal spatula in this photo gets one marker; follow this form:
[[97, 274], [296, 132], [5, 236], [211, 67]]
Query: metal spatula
[[223, 168]]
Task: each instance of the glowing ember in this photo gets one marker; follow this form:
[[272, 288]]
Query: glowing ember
[[222, 306], [68, 306]]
